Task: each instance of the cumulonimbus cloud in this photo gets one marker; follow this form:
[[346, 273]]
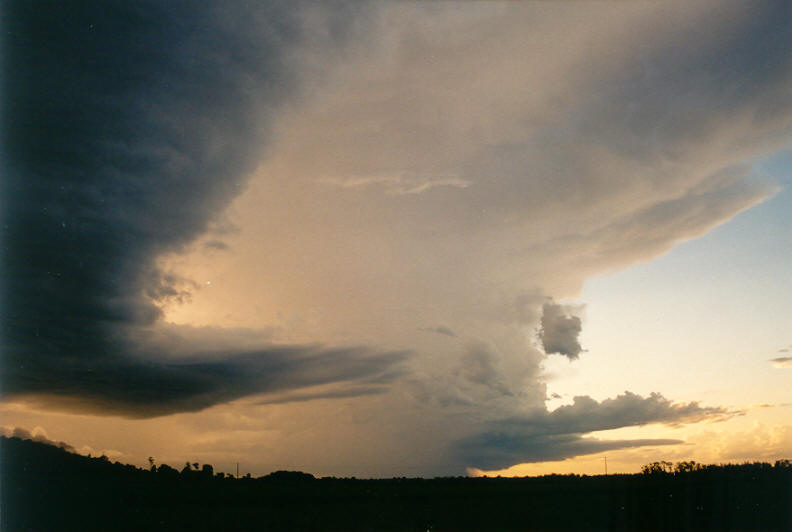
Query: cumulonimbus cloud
[[476, 166]]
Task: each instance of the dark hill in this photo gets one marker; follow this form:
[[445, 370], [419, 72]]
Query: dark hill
[[45, 488]]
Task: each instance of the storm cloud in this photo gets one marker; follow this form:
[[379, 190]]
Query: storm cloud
[[127, 129]]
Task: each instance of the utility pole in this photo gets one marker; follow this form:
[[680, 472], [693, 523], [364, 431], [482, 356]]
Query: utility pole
[[606, 466], [237, 470]]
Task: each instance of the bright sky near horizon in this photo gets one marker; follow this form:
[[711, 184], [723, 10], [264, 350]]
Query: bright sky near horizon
[[400, 239]]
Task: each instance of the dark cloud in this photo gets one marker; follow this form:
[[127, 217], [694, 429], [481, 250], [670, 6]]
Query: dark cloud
[[559, 331], [138, 389], [782, 362], [498, 450], [560, 434], [127, 128]]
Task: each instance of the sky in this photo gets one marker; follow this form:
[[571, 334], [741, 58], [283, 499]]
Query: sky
[[383, 239]]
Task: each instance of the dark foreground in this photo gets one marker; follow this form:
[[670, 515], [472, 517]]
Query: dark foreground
[[45, 488]]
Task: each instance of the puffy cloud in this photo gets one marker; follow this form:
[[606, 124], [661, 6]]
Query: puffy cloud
[[501, 450], [553, 435], [38, 435], [559, 331], [587, 415]]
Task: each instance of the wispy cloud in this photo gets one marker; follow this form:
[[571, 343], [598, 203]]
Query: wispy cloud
[[400, 184], [328, 394], [445, 331]]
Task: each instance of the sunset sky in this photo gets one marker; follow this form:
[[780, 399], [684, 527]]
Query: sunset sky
[[399, 239]]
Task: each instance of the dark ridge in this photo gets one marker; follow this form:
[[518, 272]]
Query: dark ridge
[[45, 488]]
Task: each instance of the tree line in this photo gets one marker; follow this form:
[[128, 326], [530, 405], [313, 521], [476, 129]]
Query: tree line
[[47, 488]]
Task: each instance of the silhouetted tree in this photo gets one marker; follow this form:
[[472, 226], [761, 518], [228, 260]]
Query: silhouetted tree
[[687, 467], [750, 496], [167, 471], [656, 468]]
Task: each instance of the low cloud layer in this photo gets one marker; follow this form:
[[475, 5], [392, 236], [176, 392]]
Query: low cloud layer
[[559, 434], [138, 388]]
